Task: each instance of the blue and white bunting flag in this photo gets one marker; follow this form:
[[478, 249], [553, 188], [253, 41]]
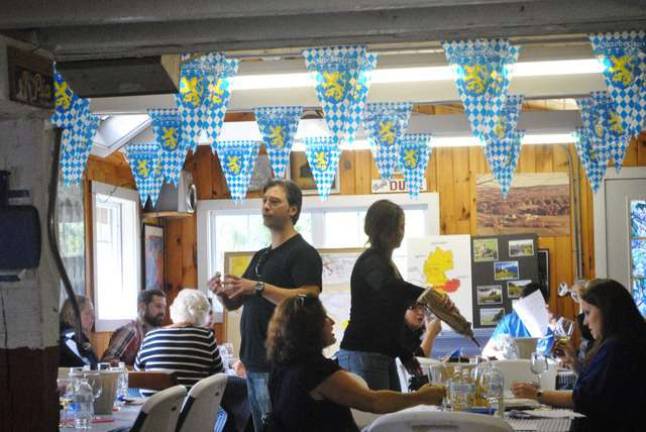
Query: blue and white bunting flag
[[504, 170], [385, 124], [72, 114], [145, 164], [609, 127], [594, 168], [481, 69], [590, 119], [414, 153], [204, 94], [237, 159], [623, 56], [499, 142], [167, 128], [342, 75], [323, 157], [278, 127]]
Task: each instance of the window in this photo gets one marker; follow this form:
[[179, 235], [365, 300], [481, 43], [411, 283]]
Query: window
[[334, 223], [71, 234], [117, 255]]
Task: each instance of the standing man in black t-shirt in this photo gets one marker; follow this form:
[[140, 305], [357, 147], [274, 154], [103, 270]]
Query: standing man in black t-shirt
[[287, 268]]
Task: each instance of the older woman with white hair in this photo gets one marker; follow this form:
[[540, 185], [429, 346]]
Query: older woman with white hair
[[185, 347]]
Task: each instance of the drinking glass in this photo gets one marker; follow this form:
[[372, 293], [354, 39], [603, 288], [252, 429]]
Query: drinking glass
[[94, 379], [103, 366], [438, 374], [226, 353], [564, 329], [538, 365]]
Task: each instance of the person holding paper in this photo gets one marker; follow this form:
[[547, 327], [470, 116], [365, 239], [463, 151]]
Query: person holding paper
[[611, 389], [512, 324]]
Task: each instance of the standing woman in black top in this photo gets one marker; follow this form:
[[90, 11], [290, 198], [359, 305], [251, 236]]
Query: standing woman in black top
[[379, 299], [312, 393]]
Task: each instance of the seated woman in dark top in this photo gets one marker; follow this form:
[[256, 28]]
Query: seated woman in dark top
[[74, 353], [379, 299], [312, 393], [419, 332], [611, 389]]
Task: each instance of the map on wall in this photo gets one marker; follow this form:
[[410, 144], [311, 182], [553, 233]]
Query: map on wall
[[536, 203], [443, 262]]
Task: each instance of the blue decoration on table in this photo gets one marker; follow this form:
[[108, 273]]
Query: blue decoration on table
[[385, 124], [481, 69], [145, 164], [204, 93], [591, 159], [342, 76], [323, 157], [167, 128], [278, 127], [237, 159], [623, 56], [414, 153], [72, 114]]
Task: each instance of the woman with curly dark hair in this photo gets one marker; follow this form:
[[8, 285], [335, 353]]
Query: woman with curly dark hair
[[611, 389], [312, 393]]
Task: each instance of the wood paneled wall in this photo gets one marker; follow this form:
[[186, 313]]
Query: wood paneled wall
[[451, 172]]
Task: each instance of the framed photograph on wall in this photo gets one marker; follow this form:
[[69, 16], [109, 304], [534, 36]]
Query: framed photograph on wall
[[301, 174], [153, 256]]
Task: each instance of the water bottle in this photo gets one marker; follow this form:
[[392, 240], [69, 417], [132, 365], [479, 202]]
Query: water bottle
[[122, 384], [82, 405], [493, 384]]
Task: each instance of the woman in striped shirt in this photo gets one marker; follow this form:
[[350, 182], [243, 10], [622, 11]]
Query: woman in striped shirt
[[185, 348]]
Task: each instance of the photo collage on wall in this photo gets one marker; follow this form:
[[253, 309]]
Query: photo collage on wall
[[501, 266], [638, 252]]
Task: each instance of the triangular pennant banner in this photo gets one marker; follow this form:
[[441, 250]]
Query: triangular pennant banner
[[481, 69], [385, 124], [592, 134], [499, 142], [145, 164], [79, 127], [585, 148], [623, 56], [609, 127], [414, 153], [278, 127], [504, 171], [323, 157], [342, 76], [167, 128], [204, 93], [237, 159]]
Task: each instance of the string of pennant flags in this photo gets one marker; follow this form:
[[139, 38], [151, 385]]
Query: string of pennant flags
[[343, 75]]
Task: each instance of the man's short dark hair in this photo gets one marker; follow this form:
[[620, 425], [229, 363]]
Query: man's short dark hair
[[146, 296], [293, 193], [530, 288]]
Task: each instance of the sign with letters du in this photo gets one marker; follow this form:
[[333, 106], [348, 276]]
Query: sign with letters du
[[392, 186]]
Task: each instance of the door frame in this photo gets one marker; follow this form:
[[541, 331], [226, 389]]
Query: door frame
[[599, 204]]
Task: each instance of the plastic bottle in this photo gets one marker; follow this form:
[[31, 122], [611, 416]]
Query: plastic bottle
[[82, 405], [493, 383], [122, 384]]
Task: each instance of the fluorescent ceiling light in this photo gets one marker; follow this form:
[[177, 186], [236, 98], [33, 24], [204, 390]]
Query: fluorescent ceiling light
[[417, 74]]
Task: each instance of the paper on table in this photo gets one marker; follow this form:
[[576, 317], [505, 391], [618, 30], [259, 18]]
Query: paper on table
[[533, 313], [522, 425], [554, 413]]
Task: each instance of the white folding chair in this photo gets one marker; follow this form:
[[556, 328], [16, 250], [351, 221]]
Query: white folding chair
[[201, 406], [438, 421], [518, 370], [403, 374], [160, 411]]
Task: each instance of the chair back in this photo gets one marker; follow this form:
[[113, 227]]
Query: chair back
[[151, 380], [200, 408], [160, 411], [518, 370], [417, 420]]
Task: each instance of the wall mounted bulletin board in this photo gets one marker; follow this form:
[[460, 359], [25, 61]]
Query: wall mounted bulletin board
[[501, 267]]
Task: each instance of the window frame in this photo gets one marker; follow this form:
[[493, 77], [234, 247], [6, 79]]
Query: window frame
[[106, 325], [428, 201]]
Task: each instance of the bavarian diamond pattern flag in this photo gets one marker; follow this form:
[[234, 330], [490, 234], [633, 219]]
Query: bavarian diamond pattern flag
[[609, 127], [623, 56], [504, 171], [145, 163], [482, 77], [414, 153], [237, 159], [342, 75], [79, 125], [167, 128], [589, 114], [323, 157], [385, 124], [204, 93], [497, 144], [594, 168], [278, 128]]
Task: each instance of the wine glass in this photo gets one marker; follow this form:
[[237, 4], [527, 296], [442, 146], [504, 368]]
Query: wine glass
[[564, 329], [538, 365]]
